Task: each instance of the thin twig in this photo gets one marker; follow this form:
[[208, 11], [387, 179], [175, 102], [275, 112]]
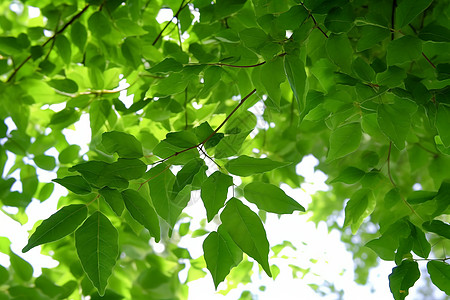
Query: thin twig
[[153, 177], [394, 6], [428, 60], [210, 158], [96, 197], [49, 40], [316, 25], [182, 6], [395, 185], [212, 134], [429, 259]]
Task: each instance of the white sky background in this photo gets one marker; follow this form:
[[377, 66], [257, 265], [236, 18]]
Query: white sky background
[[334, 262]]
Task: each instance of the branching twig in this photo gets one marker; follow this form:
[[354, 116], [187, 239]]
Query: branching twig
[[395, 185], [211, 135], [316, 25], [182, 6], [14, 73], [429, 259]]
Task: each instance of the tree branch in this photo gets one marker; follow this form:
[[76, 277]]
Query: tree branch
[[182, 6], [14, 73]]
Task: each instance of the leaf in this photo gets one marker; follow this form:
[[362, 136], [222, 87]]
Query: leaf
[[293, 18], [253, 38], [439, 274], [99, 25], [363, 70], [360, 205], [405, 12], [78, 35], [420, 246], [127, 168], [344, 140], [168, 65], [442, 124], [58, 225], [69, 154], [349, 175], [340, 19], [402, 278], [45, 162], [340, 51], [97, 173], [270, 198], [75, 184], [247, 231], [21, 267], [435, 32], [404, 49], [221, 254], [214, 192], [186, 175], [126, 145], [64, 48], [394, 122], [182, 139], [295, 72], [97, 246], [438, 227], [272, 76], [142, 212], [113, 198], [245, 165], [64, 85]]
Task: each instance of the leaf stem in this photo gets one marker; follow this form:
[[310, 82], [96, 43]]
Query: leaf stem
[[428, 60], [14, 73], [153, 177], [430, 259], [316, 25]]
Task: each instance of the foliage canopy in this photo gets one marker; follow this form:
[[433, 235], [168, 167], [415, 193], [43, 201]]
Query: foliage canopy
[[362, 85]]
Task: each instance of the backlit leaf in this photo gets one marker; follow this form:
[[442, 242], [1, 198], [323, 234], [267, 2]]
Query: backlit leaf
[[405, 12], [440, 275], [214, 192], [404, 49], [58, 225], [97, 247], [124, 144], [402, 278], [344, 140], [245, 165], [270, 198], [247, 231], [295, 72], [438, 227], [76, 184], [141, 210]]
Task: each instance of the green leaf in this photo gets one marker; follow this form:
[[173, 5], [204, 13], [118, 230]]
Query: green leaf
[[436, 33], [78, 35], [340, 19], [168, 65], [402, 278], [221, 254], [421, 247], [404, 49], [247, 231], [186, 175], [45, 162], [363, 70], [58, 225], [21, 267], [270, 198], [245, 165], [405, 12], [253, 38], [271, 76], [296, 75], [443, 71], [394, 122], [75, 184], [99, 24], [349, 175], [97, 173], [214, 192], [442, 123], [127, 168], [64, 48], [293, 18], [141, 210], [438, 227], [344, 140], [113, 198], [440, 275], [97, 247], [182, 139], [230, 145], [64, 85], [360, 205], [340, 51], [126, 145]]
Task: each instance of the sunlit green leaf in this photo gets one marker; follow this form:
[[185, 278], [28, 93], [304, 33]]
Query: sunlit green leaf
[[245, 165], [76, 184], [440, 274], [214, 192], [402, 278], [126, 145], [97, 247]]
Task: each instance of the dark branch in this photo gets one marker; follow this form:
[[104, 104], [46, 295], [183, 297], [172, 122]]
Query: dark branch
[[182, 6], [428, 60], [14, 73]]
